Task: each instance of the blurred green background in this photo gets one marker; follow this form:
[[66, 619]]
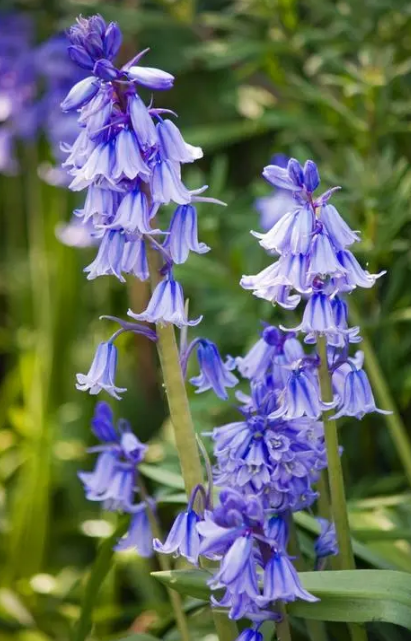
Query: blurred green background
[[314, 79]]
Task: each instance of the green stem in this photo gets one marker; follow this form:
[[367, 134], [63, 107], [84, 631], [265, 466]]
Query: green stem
[[339, 510], [335, 473], [323, 501], [385, 400], [164, 563], [184, 432], [282, 628], [316, 629]]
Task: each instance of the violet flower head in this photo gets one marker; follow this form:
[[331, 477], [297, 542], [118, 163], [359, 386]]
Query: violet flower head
[[102, 372], [326, 544], [183, 538], [128, 155], [113, 478], [214, 373], [139, 535]]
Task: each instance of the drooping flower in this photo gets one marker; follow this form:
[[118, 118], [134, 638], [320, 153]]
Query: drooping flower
[[139, 535], [166, 306], [183, 538], [102, 372], [214, 374]]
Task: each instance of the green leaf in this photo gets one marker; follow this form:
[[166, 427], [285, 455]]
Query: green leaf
[[351, 596], [139, 637], [163, 476], [97, 575]]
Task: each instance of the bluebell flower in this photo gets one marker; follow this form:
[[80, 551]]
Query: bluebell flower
[[97, 482], [355, 275], [166, 185], [103, 423], [292, 233], [128, 160], [301, 397], [281, 581], [250, 635], [141, 121], [134, 259], [139, 535], [112, 482], [102, 372], [166, 306], [183, 236], [326, 544], [183, 538], [357, 398], [80, 94], [277, 531], [76, 233], [214, 374], [338, 230], [151, 78], [173, 146], [133, 214], [109, 259]]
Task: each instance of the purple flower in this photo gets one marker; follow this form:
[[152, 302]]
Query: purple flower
[[109, 259], [182, 235], [357, 398], [173, 146], [166, 185], [155, 79], [326, 544], [281, 581], [139, 535], [183, 538], [134, 259], [292, 233], [102, 372], [129, 162], [113, 479], [133, 214], [250, 635], [102, 423], [166, 306], [214, 374], [80, 94], [142, 123]]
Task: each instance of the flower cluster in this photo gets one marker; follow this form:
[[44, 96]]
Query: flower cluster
[[267, 466], [269, 461], [314, 261], [128, 155], [113, 480], [33, 80]]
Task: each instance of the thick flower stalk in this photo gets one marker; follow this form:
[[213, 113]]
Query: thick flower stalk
[[315, 263], [129, 155], [267, 467]]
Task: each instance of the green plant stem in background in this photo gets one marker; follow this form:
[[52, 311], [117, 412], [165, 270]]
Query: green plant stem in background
[[385, 400], [316, 629], [336, 480], [181, 419], [175, 598], [282, 628]]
